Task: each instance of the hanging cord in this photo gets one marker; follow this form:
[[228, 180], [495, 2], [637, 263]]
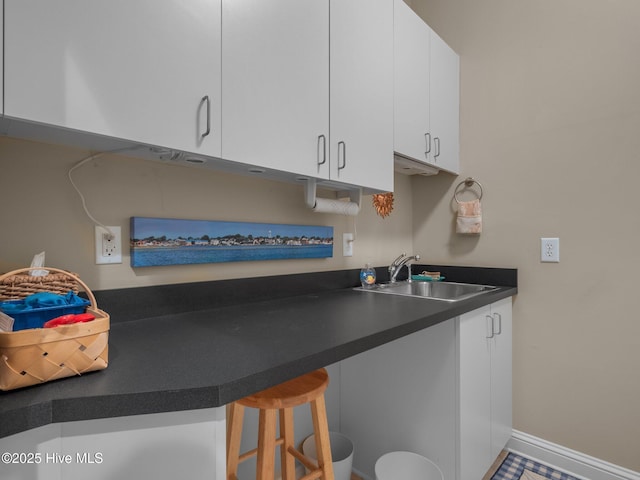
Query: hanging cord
[[84, 202], [355, 230]]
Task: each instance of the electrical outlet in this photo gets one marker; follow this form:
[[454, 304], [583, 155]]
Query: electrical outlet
[[108, 246], [550, 250], [347, 244]]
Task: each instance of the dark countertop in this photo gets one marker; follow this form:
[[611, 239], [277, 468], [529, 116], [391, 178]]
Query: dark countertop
[[230, 346]]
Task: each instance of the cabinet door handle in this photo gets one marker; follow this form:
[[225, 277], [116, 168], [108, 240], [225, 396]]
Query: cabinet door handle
[[498, 330], [207, 100], [490, 331], [436, 141], [344, 155], [427, 139], [324, 150]]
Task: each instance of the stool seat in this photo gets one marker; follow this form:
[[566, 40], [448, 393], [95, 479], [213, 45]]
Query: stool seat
[[281, 399], [290, 394]]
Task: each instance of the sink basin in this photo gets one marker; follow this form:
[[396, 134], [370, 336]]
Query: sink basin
[[446, 291]]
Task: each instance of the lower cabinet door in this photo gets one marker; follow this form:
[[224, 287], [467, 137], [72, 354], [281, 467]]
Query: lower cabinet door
[[485, 383], [475, 394], [501, 376]]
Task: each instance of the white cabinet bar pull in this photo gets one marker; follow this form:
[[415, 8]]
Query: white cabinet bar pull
[[324, 150], [436, 141], [344, 155], [427, 139], [498, 330], [208, 102], [490, 331]]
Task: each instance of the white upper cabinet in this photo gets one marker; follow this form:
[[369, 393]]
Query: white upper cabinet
[[275, 56], [444, 105], [308, 88], [426, 93], [146, 71], [411, 86], [361, 136]]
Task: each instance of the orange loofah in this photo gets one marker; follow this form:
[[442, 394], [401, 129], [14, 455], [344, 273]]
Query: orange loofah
[[383, 203]]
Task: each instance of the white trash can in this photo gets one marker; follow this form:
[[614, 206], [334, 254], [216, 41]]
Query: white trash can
[[341, 454], [406, 466]]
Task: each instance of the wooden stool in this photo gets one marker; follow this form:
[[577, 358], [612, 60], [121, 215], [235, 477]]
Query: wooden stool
[[282, 398]]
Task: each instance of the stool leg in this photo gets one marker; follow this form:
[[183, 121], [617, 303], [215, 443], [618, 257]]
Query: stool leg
[[266, 444], [235, 416], [321, 428], [287, 461]]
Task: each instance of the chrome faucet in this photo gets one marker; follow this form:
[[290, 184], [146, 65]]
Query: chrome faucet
[[400, 262]]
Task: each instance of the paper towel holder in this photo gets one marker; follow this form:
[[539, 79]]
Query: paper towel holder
[[310, 184]]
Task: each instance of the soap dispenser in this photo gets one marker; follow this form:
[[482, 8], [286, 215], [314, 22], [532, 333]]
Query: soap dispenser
[[368, 276]]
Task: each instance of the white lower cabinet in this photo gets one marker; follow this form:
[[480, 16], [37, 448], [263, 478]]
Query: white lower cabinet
[[443, 392], [485, 380], [162, 446]]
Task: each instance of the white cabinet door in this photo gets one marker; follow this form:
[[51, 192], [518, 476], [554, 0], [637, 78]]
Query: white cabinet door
[[275, 58], [501, 376], [475, 394], [426, 93], [444, 104], [307, 88], [411, 84], [133, 70], [484, 372], [361, 122]]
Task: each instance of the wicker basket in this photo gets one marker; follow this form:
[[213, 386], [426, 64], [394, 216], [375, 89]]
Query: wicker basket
[[38, 355], [19, 284]]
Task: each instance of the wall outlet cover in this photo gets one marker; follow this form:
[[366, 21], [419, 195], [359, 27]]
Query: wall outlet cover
[[550, 250], [108, 246]]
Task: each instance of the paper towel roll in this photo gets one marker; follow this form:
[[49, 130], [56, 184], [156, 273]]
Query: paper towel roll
[[327, 205]]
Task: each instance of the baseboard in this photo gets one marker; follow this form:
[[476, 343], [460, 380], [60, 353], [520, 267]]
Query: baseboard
[[565, 459]]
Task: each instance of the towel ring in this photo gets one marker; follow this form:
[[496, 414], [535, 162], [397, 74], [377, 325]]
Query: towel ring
[[467, 183]]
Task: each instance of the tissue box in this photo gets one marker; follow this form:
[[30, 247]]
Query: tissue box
[[36, 317]]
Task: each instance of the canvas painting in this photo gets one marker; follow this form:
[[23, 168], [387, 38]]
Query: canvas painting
[[167, 241]]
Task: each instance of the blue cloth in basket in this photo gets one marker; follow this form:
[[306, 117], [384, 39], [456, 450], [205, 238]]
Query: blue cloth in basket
[[41, 300]]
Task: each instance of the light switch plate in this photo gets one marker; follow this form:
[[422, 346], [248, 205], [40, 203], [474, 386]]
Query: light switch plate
[[347, 244]]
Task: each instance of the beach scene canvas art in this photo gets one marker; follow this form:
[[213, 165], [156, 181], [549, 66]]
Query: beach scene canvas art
[[168, 241]]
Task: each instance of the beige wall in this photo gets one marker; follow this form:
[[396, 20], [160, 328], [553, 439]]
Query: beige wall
[[41, 211], [550, 125]]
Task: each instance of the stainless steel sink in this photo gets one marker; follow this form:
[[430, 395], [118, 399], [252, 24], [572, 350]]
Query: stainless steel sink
[[446, 291]]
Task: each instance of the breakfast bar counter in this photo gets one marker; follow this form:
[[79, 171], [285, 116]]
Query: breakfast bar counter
[[230, 345]]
